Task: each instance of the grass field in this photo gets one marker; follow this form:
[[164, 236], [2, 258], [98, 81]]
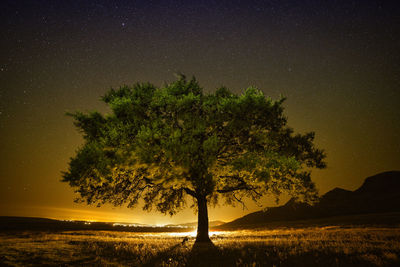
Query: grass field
[[316, 246]]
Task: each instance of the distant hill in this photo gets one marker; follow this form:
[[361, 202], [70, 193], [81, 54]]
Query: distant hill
[[8, 223], [378, 194]]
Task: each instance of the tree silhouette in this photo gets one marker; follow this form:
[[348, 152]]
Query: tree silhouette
[[161, 145]]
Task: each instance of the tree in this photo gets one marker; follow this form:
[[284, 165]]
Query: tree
[[161, 145]]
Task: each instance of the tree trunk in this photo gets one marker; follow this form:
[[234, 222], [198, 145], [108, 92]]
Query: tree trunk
[[202, 221]]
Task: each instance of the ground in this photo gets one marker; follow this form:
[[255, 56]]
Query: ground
[[312, 246]]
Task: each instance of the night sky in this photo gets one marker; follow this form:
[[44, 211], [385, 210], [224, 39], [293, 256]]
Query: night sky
[[338, 63]]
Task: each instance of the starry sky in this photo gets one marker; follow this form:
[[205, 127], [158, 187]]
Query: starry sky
[[336, 61]]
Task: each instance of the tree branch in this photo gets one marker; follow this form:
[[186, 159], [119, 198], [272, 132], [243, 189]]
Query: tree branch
[[232, 189], [241, 185], [189, 191], [240, 201], [147, 181]]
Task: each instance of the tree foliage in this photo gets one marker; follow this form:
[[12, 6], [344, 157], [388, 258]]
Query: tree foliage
[[162, 144]]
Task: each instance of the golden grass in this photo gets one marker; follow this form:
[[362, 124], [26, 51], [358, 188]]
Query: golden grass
[[318, 246]]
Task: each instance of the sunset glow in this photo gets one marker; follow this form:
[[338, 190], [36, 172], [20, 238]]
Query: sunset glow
[[336, 65]]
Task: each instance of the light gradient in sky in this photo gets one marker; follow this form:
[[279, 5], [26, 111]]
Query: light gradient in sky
[[336, 61]]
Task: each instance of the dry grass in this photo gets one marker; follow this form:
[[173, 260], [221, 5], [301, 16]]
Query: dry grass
[[319, 246]]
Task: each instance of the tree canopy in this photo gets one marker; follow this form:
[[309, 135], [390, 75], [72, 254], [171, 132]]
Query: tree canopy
[[161, 144]]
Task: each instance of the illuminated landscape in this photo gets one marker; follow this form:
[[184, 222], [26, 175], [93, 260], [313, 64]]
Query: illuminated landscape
[[363, 239], [199, 133], [316, 246]]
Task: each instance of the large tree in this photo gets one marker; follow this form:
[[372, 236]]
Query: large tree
[[177, 144]]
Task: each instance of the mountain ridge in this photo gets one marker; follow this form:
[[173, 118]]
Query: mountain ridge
[[379, 193]]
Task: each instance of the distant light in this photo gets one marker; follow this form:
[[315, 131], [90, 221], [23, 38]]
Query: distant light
[[182, 234]]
